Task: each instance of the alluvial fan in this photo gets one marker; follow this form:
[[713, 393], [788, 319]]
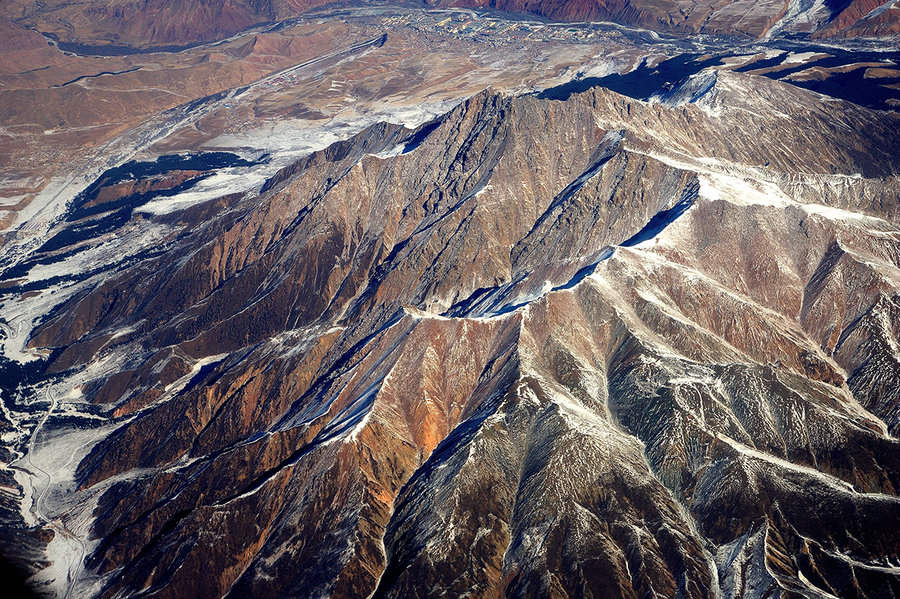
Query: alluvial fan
[[592, 347]]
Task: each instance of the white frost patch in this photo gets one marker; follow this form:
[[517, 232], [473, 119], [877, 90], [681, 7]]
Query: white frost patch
[[49, 204], [291, 139], [287, 137], [754, 192], [411, 116], [827, 479], [580, 418], [838, 214], [748, 186], [224, 182], [890, 4], [599, 70], [740, 191], [65, 558], [124, 242], [799, 18], [420, 314], [733, 62], [354, 432], [49, 483], [392, 153], [484, 189], [689, 91], [801, 57], [21, 314], [28, 499], [504, 304], [175, 388]]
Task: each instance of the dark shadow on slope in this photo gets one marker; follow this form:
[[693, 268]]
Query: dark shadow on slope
[[586, 271], [420, 135], [604, 152], [639, 84], [14, 580], [664, 218], [836, 7]]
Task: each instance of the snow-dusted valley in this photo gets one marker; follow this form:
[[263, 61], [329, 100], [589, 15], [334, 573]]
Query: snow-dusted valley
[[384, 301]]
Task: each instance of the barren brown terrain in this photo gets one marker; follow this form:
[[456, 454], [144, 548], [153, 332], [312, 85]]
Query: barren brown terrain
[[363, 300]]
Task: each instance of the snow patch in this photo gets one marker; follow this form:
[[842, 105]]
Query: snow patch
[[354, 432], [890, 4], [741, 191], [177, 386], [392, 153], [224, 182], [688, 91], [800, 57]]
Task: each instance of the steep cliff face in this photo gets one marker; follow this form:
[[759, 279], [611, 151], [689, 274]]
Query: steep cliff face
[[535, 348]]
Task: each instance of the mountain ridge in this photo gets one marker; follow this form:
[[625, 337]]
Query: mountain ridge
[[642, 419]]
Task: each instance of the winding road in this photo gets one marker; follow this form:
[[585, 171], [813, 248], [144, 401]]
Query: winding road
[[75, 561]]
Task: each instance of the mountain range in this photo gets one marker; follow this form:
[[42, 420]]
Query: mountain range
[[395, 320]]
